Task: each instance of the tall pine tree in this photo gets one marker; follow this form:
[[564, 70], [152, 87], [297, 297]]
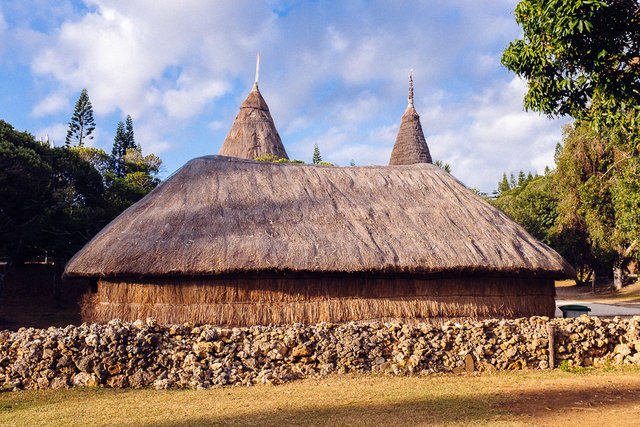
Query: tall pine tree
[[123, 141], [81, 125], [129, 138], [119, 150], [317, 158], [503, 185]]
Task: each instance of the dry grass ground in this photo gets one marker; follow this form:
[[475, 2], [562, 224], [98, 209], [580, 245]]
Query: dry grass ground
[[588, 397]]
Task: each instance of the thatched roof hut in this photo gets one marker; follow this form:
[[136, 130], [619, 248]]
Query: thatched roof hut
[[231, 241], [238, 242], [410, 146], [253, 133]]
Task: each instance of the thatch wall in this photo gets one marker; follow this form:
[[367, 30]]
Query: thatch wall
[[410, 146], [220, 215], [258, 299]]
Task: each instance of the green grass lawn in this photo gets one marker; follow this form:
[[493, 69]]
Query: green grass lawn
[[508, 398]]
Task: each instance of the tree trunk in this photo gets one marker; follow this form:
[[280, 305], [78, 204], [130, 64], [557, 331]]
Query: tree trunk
[[617, 276], [593, 281]]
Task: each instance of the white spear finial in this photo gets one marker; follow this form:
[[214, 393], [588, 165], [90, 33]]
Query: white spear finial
[[411, 87], [255, 84]]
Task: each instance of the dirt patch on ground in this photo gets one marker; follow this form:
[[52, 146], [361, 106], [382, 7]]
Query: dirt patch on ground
[[587, 400]]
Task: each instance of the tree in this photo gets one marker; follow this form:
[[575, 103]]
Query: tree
[[581, 58], [598, 195], [122, 143], [317, 158], [97, 157], [130, 141], [533, 205], [444, 166], [119, 150], [81, 125], [25, 176], [50, 200], [503, 185]]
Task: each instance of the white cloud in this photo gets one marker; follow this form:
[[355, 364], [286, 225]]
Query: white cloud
[[192, 95], [498, 136], [53, 103]]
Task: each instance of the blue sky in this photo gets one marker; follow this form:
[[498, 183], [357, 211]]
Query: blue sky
[[334, 73]]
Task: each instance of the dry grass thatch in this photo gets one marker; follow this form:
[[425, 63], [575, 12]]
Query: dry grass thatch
[[240, 301], [253, 133], [221, 215], [410, 146]]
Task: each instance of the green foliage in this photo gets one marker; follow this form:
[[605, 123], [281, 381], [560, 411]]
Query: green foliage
[[100, 160], [353, 163], [50, 198], [81, 125], [532, 205], [137, 177], [129, 139], [503, 185], [626, 203], [53, 200], [317, 158], [564, 366], [585, 176], [275, 159], [444, 166], [580, 58]]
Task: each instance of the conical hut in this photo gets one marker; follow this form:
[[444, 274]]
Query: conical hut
[[230, 241], [253, 133], [410, 146]]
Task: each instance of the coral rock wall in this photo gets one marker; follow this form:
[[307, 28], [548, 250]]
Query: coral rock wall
[[141, 354]]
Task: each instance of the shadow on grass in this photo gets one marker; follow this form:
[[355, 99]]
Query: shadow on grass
[[438, 410], [482, 407]]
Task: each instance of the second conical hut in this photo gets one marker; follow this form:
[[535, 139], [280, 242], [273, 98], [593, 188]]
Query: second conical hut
[[253, 133], [411, 146]]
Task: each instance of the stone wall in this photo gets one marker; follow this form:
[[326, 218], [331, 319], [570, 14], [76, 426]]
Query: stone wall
[[141, 354]]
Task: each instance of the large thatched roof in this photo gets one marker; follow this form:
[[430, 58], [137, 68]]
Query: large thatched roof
[[221, 215], [253, 133], [410, 146]]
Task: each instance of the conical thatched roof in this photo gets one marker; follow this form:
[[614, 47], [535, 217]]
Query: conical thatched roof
[[220, 215], [410, 146], [253, 133]]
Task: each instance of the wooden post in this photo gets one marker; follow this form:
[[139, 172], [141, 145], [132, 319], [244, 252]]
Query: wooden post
[[551, 334]]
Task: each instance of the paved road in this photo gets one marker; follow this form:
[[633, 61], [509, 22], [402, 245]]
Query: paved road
[[603, 310]]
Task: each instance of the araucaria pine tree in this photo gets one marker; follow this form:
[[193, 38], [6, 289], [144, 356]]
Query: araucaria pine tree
[[130, 140], [119, 150], [123, 141], [317, 158], [81, 125]]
